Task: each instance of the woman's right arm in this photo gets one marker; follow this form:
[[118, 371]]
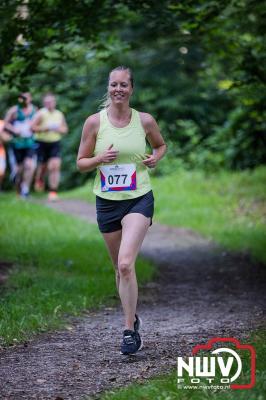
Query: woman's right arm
[[9, 118], [86, 161], [36, 123]]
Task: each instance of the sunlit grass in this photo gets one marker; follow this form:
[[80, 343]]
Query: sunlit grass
[[227, 207]]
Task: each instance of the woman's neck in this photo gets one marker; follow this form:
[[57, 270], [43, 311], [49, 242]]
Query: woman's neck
[[119, 112], [27, 108]]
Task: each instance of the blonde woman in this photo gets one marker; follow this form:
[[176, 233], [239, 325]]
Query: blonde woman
[[114, 142]]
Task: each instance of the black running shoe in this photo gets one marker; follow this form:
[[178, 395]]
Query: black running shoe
[[139, 341], [131, 342], [137, 323]]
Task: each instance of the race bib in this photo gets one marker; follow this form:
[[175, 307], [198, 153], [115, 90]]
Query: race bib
[[118, 177], [23, 128]]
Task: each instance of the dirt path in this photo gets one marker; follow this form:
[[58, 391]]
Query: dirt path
[[201, 292]]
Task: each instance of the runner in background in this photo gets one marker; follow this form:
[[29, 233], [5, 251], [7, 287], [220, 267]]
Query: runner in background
[[21, 149], [4, 138], [114, 142], [49, 126]]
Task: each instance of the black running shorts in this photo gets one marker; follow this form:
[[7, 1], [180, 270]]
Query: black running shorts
[[46, 150], [111, 212], [21, 154]]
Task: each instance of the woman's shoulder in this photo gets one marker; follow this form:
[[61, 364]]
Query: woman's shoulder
[[92, 123], [93, 119], [42, 111], [147, 120]]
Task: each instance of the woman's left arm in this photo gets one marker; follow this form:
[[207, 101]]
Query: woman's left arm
[[155, 139], [63, 128]]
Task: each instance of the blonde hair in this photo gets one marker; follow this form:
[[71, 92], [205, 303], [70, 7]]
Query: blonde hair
[[48, 94], [106, 101]]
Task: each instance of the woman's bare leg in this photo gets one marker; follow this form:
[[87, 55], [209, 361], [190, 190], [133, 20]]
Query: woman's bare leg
[[53, 167], [27, 173], [134, 228], [39, 182], [113, 241]]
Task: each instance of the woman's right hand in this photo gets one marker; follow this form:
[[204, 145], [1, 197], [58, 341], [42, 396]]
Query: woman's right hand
[[15, 131], [108, 155]]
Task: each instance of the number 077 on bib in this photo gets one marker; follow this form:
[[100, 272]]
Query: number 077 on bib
[[118, 177]]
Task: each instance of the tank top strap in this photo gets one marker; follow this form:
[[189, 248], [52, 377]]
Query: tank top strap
[[103, 117], [21, 116], [33, 111], [137, 121], [103, 122]]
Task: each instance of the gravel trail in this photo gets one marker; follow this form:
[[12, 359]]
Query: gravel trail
[[201, 292]]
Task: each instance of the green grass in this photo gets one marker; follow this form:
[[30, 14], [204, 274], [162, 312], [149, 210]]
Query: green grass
[[227, 207], [46, 246], [83, 192], [61, 267], [165, 387]]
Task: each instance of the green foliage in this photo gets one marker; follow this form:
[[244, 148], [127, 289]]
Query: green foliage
[[27, 28], [199, 69]]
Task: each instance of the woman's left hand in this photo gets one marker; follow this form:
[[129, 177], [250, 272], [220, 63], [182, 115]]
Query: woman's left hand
[[150, 161]]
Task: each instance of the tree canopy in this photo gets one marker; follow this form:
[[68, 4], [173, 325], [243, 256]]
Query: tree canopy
[[199, 66]]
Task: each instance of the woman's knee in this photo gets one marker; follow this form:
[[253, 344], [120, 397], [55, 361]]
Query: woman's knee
[[54, 164], [29, 164], [117, 273], [125, 269]]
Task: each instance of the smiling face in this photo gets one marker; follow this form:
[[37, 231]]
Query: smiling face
[[49, 102], [24, 99], [120, 88]]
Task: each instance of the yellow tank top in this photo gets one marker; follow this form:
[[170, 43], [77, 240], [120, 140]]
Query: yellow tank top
[[130, 141], [49, 119]]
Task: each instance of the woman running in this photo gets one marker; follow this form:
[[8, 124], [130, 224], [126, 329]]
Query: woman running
[[114, 141]]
